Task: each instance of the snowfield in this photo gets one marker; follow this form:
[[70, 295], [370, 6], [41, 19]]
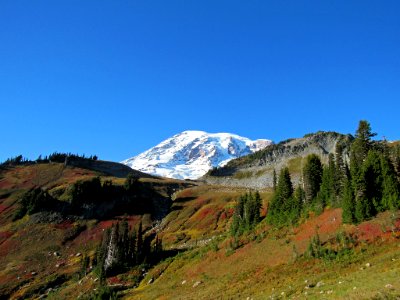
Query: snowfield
[[190, 154]]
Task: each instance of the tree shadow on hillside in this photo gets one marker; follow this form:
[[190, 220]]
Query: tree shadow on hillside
[[184, 199]]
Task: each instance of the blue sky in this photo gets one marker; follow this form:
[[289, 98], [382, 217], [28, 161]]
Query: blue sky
[[114, 78]]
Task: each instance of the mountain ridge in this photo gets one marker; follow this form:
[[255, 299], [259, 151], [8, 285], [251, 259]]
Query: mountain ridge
[[191, 153], [256, 170]]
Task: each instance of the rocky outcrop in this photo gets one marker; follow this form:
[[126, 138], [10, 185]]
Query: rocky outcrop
[[256, 170]]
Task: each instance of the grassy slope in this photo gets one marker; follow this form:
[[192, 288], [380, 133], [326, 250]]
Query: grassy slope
[[265, 265], [28, 266], [268, 267]]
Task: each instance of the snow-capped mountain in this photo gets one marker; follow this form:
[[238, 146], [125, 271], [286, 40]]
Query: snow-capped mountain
[[191, 154]]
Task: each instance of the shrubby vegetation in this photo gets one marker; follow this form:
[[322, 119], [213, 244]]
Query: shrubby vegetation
[[339, 248]]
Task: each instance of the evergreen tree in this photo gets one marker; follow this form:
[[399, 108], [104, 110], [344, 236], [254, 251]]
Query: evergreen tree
[[297, 203], [348, 205], [256, 208], [131, 182], [362, 174], [247, 213], [325, 193], [123, 244], [371, 174], [285, 187], [340, 171], [274, 180], [364, 209], [312, 177], [390, 185], [395, 155], [360, 147], [282, 204]]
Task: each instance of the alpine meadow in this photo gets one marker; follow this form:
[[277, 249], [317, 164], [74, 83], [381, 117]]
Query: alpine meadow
[[199, 150], [326, 224]]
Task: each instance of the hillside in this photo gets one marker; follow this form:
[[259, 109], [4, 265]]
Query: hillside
[[256, 170], [69, 232], [203, 262], [42, 250]]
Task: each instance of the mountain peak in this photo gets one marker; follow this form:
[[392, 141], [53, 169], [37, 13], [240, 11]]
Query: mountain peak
[[190, 154]]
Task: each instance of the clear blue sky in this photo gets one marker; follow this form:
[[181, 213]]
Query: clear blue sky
[[114, 78]]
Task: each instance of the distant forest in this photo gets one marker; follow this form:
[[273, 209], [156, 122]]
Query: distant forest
[[54, 157]]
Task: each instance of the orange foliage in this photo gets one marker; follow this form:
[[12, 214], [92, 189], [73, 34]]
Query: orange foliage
[[326, 223], [369, 231]]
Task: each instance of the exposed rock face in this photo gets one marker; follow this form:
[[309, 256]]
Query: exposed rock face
[[111, 254], [256, 170]]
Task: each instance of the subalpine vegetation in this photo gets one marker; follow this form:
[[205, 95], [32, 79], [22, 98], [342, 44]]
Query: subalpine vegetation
[[90, 199], [363, 185]]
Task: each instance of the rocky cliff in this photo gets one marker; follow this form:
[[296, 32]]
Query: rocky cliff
[[256, 170]]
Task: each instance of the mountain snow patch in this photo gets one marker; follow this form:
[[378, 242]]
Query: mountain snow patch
[[190, 154]]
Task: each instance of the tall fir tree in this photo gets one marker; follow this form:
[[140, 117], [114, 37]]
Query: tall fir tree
[[390, 185], [361, 145], [312, 177], [282, 204], [371, 174], [340, 170]]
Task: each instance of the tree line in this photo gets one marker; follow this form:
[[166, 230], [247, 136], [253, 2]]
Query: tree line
[[53, 157]]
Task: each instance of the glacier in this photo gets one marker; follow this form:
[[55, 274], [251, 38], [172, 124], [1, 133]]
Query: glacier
[[190, 154]]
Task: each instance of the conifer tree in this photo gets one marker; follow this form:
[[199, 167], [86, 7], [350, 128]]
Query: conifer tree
[[282, 202], [325, 193], [371, 174], [348, 205], [362, 173], [390, 185], [361, 145], [297, 203], [312, 177], [396, 159], [247, 213], [340, 170]]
